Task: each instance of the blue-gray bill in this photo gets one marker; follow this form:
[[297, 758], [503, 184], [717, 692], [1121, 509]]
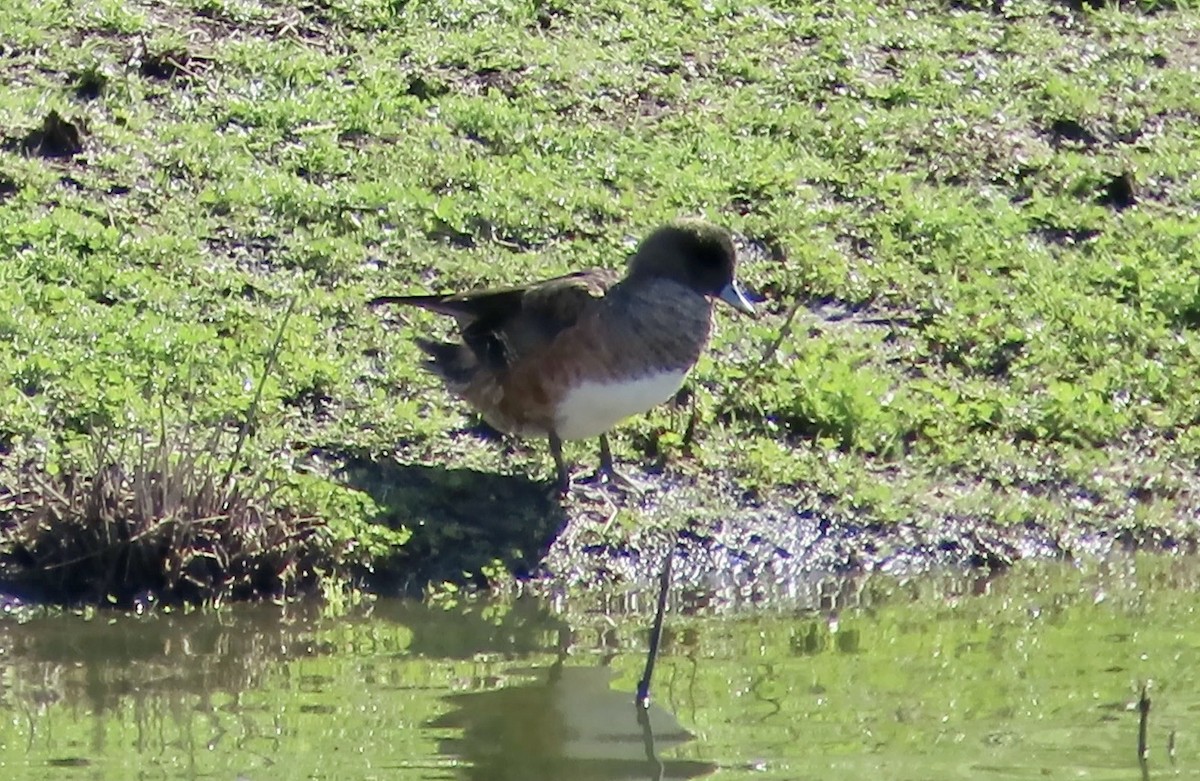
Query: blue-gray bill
[[733, 295]]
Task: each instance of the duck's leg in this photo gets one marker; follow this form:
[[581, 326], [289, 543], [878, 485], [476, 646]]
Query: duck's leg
[[563, 475], [609, 473]]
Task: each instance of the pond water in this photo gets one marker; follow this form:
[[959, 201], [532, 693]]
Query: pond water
[[1034, 674]]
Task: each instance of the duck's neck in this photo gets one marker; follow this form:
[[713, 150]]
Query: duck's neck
[[660, 321]]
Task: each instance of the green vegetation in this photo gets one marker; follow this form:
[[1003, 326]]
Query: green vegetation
[[990, 208]]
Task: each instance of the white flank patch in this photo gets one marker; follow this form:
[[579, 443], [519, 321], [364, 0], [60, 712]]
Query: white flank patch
[[595, 407]]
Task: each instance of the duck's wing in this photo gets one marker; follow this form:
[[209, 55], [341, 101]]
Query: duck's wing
[[500, 335], [501, 326]]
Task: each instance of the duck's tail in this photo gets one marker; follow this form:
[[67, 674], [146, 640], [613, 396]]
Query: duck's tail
[[467, 308], [434, 303]]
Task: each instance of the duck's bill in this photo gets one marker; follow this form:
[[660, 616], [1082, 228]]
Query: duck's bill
[[733, 295]]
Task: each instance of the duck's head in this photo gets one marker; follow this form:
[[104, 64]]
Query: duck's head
[[695, 253]]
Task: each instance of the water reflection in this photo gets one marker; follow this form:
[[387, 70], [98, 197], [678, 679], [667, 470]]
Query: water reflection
[[1028, 676], [568, 723], [523, 626]]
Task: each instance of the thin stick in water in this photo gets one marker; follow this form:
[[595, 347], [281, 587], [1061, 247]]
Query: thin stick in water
[[664, 581]]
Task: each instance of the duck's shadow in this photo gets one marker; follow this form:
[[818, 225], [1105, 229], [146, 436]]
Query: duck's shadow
[[462, 520]]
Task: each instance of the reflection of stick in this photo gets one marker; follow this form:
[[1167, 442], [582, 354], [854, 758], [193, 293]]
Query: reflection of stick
[[664, 580], [1143, 722]]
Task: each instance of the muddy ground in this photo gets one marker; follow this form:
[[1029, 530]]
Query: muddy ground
[[728, 545]]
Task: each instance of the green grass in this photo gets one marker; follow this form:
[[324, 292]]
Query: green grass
[[997, 329]]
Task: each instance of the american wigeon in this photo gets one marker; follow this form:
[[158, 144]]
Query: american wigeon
[[570, 357]]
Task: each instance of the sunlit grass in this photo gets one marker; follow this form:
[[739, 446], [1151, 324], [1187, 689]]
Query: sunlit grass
[[992, 207]]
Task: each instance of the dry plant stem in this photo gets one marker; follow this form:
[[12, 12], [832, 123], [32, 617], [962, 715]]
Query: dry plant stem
[[726, 401], [267, 367]]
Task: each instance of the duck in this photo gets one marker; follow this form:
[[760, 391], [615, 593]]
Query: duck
[[569, 358]]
